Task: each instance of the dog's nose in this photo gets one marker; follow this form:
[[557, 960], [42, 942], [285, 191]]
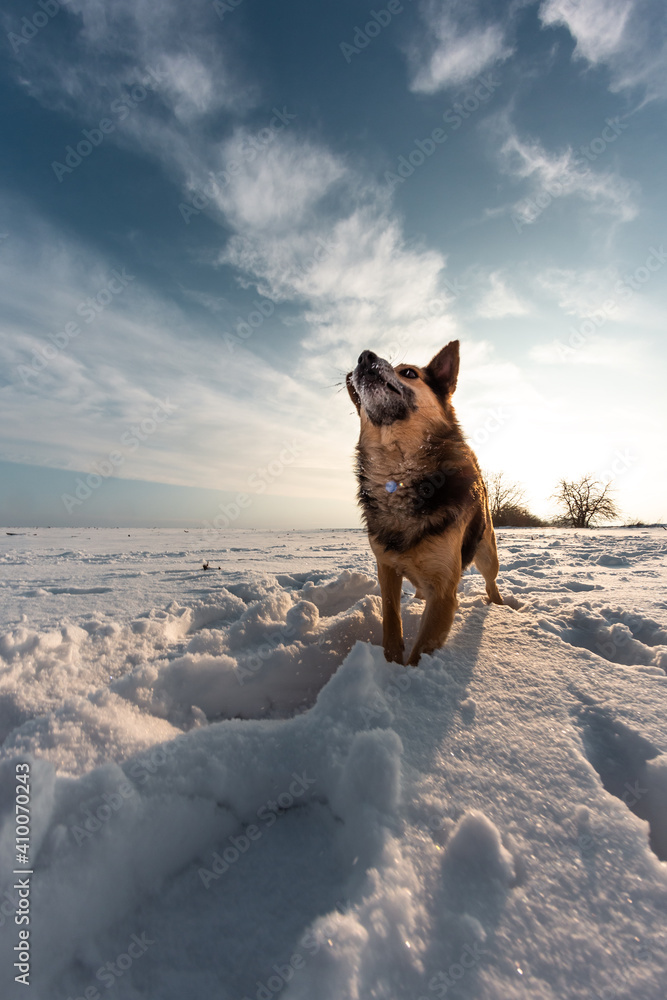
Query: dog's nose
[[367, 358]]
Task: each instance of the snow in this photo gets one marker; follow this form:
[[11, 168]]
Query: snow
[[233, 795]]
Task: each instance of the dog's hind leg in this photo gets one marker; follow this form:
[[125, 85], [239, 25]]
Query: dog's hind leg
[[486, 561], [392, 628]]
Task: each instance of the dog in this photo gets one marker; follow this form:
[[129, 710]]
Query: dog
[[421, 492]]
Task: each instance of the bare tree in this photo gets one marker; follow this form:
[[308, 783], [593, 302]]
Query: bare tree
[[506, 503], [586, 502], [502, 494]]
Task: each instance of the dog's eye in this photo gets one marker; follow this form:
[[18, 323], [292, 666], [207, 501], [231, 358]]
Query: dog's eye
[[408, 373]]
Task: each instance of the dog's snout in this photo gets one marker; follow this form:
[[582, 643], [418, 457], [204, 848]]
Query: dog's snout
[[367, 358]]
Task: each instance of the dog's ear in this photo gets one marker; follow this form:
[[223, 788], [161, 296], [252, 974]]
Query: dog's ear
[[353, 392], [442, 371]]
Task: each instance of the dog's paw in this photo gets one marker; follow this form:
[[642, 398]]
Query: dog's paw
[[394, 654]]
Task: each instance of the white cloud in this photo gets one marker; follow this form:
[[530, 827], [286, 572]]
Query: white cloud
[[213, 303], [276, 189], [564, 174], [625, 35], [188, 85], [68, 404], [598, 26], [157, 33], [453, 50], [360, 283], [578, 293], [595, 297], [122, 45], [306, 227], [597, 351], [500, 300], [361, 258]]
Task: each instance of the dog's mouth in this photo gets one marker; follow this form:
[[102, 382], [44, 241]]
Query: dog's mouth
[[376, 380], [379, 391]]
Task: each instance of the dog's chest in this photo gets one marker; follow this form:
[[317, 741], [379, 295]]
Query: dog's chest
[[401, 496]]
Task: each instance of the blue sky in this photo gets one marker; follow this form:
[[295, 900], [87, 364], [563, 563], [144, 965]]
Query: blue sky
[[207, 210]]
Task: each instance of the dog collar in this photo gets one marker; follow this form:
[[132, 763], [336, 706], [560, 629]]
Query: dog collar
[[391, 485]]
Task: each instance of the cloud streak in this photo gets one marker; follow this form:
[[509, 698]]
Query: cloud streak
[[500, 300], [455, 46], [627, 36], [551, 176]]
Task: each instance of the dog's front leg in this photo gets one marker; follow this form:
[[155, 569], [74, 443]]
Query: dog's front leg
[[392, 627], [441, 604]]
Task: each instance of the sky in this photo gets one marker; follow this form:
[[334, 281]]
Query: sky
[[208, 209]]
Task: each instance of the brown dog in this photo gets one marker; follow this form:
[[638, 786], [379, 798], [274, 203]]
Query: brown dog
[[421, 492]]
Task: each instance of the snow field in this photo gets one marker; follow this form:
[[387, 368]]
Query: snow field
[[237, 787]]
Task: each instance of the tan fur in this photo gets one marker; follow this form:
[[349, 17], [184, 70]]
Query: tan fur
[[433, 567], [486, 561], [431, 558]]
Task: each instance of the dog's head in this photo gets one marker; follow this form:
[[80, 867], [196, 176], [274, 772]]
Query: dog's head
[[384, 395]]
